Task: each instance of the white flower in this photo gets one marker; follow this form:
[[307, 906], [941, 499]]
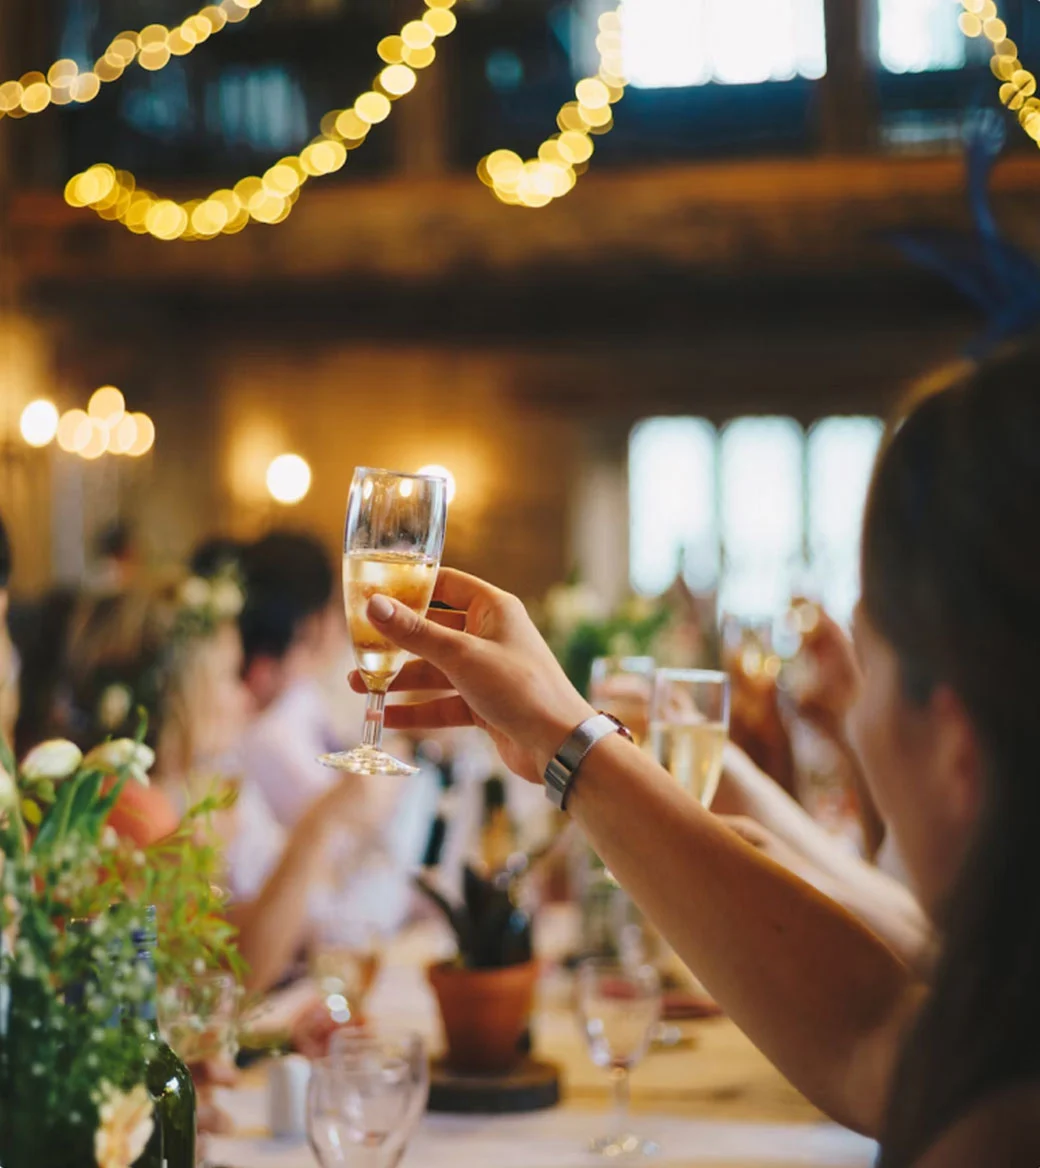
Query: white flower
[[226, 598], [126, 1123], [122, 754], [54, 760], [8, 791], [195, 592], [114, 706]]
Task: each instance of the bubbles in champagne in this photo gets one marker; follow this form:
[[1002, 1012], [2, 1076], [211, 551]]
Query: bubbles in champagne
[[404, 577]]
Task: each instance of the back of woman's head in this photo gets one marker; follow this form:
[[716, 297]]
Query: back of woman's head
[[951, 577]]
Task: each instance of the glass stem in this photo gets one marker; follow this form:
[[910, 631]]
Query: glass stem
[[619, 1081], [373, 735]]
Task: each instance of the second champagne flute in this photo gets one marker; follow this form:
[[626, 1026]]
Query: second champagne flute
[[689, 725], [391, 547]]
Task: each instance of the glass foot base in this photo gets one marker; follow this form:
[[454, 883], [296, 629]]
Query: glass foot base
[[364, 760], [623, 1146]]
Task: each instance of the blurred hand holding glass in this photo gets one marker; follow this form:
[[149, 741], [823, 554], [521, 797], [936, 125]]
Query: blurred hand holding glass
[[689, 724], [392, 547], [622, 686], [619, 1007], [345, 959]]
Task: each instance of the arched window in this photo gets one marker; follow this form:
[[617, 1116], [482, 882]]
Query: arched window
[[672, 516]]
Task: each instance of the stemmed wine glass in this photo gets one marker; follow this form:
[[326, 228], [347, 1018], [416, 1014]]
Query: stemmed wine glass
[[392, 546], [689, 725], [357, 1109], [619, 1007], [351, 1046]]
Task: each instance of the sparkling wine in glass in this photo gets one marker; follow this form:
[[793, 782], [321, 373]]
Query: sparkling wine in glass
[[619, 1007], [392, 547], [689, 725]]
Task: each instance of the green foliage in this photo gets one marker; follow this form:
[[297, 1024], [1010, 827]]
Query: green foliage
[[72, 895], [490, 929]]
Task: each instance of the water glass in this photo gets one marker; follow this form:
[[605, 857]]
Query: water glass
[[357, 1110], [350, 1046]]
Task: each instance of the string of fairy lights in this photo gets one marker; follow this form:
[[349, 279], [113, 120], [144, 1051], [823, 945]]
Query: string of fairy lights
[[980, 18], [564, 156], [152, 48], [269, 198]]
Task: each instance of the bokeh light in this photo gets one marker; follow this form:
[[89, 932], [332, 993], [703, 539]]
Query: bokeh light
[[39, 422], [114, 195], [436, 471], [288, 479], [74, 431], [107, 405], [144, 440]]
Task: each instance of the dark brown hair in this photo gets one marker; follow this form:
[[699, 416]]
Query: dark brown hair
[[951, 578]]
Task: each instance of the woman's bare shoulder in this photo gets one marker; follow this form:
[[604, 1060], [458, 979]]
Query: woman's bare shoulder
[[1004, 1129]]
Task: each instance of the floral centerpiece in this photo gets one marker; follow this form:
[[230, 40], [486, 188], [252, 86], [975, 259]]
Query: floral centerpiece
[[75, 1040]]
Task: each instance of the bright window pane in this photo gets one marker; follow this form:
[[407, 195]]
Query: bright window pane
[[841, 457], [675, 43], [760, 488], [915, 36], [671, 470]]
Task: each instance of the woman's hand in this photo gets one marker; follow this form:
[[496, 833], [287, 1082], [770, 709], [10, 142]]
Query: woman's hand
[[495, 672]]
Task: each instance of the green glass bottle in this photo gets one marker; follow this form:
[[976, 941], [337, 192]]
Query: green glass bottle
[[168, 1080]]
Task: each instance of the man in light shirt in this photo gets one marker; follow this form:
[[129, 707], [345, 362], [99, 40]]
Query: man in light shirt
[[293, 635]]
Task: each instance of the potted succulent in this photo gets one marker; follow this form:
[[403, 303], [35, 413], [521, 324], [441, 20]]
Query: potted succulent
[[485, 994]]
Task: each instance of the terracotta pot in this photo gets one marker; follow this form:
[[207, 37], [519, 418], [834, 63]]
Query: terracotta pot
[[485, 1013]]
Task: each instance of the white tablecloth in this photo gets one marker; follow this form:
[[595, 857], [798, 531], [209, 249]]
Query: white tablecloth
[[557, 1138]]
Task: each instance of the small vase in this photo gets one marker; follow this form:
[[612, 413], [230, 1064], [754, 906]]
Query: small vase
[[485, 1014]]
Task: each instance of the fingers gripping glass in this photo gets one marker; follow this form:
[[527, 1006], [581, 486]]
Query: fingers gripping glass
[[391, 547]]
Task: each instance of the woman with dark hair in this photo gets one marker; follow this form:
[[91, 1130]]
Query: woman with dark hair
[[946, 1074]]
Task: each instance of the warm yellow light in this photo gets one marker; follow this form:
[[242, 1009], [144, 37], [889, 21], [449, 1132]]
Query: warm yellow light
[[575, 146], [351, 127], [106, 406], [417, 35], [145, 435], [62, 71], [397, 80], [406, 488], [288, 479], [391, 49], [74, 430], [372, 107], [124, 435], [592, 93], [440, 20], [419, 58], [436, 471], [36, 98], [97, 443], [39, 422]]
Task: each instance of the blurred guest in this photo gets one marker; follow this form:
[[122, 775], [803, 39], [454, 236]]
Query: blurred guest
[[293, 632], [177, 652], [40, 630], [115, 564], [215, 556], [8, 656]]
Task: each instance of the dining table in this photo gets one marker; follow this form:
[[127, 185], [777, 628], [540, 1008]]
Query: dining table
[[705, 1095]]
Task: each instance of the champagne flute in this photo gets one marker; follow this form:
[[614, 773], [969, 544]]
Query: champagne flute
[[619, 1007], [621, 686], [392, 546], [689, 725]]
